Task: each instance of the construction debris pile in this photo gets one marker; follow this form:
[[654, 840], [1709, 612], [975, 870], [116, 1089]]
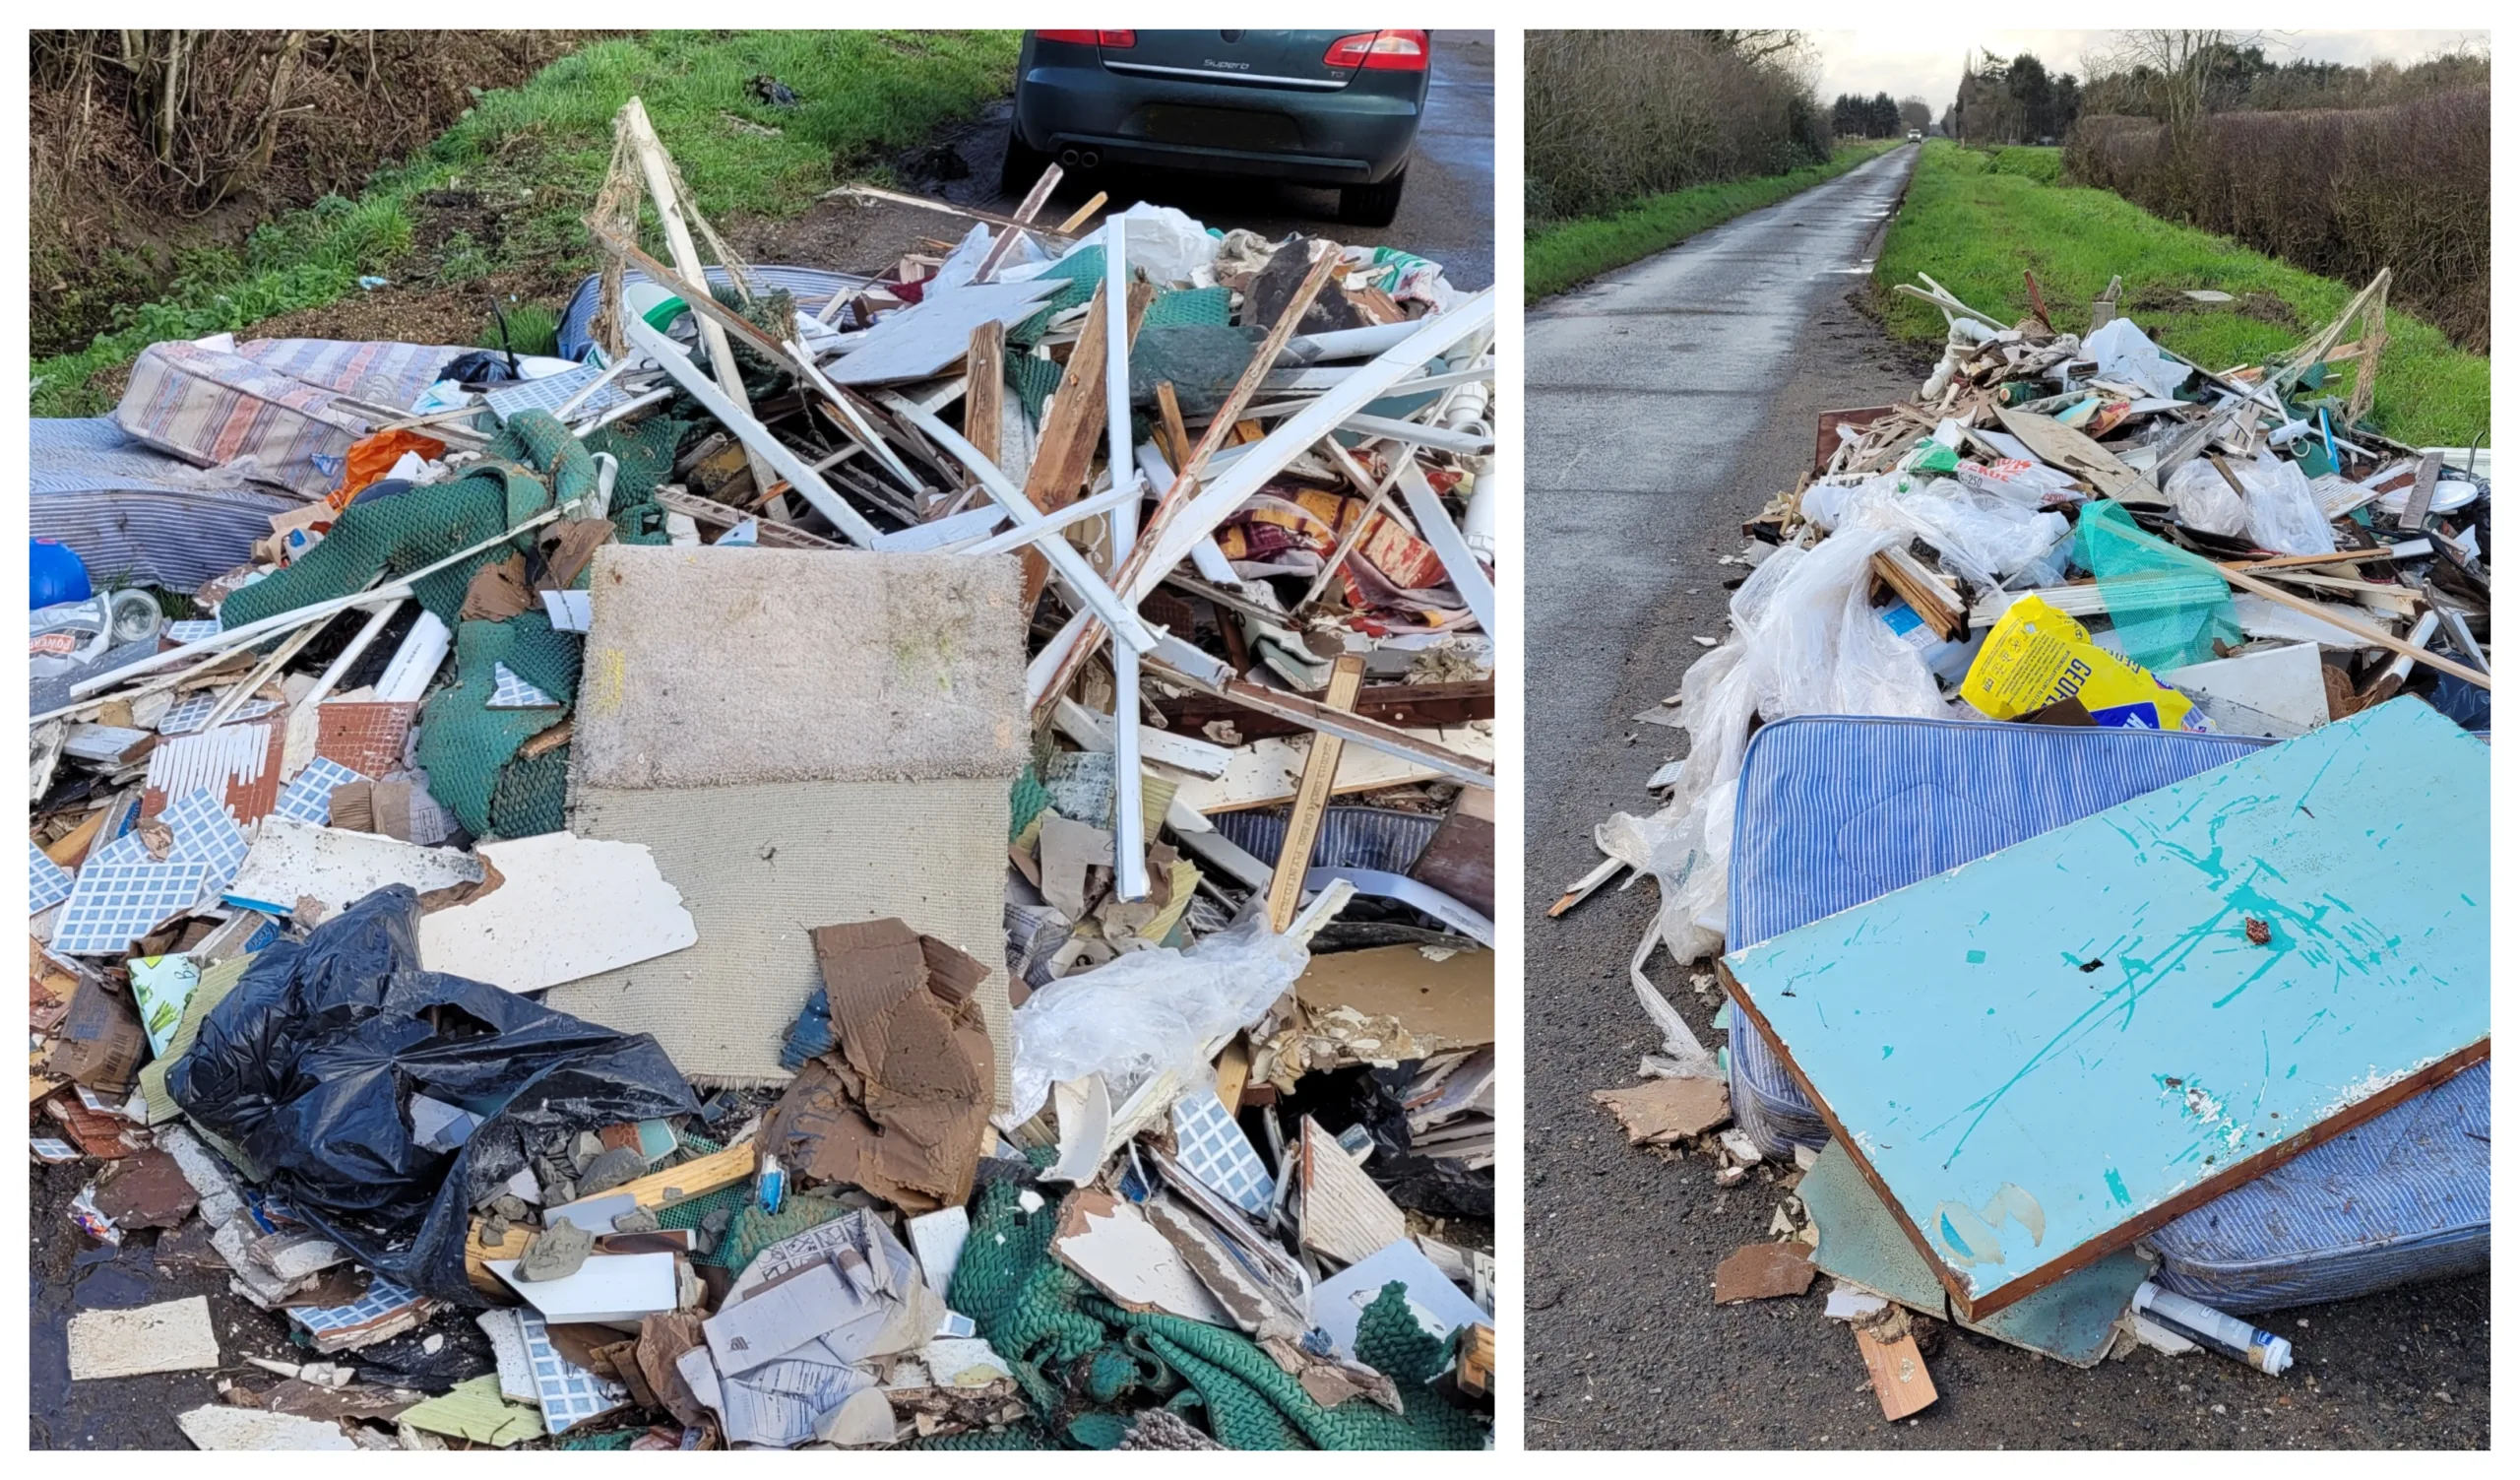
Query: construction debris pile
[[2091, 795], [861, 859]]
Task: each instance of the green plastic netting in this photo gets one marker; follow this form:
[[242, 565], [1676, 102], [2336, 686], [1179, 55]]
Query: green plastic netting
[[1076, 1354], [464, 744], [2167, 606], [1082, 270], [1027, 801]]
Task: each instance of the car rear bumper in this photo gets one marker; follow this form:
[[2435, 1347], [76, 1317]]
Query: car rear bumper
[[1350, 136]]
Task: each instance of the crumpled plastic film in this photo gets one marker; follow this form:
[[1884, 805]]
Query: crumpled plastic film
[[2167, 605], [1805, 639], [1150, 1010]]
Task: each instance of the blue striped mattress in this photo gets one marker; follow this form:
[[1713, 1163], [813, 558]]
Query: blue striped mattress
[[1835, 810], [2404, 1196], [134, 513]]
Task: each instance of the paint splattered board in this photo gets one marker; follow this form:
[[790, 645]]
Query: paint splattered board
[[2040, 1057]]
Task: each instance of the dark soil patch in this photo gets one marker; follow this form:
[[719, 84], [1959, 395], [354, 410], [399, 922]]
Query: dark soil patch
[[2267, 308], [425, 315]]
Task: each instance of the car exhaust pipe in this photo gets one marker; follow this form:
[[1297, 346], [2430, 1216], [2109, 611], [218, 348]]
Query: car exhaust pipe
[[1090, 159], [1068, 157]]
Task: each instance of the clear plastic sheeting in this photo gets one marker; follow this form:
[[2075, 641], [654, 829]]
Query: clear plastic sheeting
[[2121, 353], [1806, 640], [2167, 606], [1985, 537], [2204, 500], [1153, 1011], [2283, 511]]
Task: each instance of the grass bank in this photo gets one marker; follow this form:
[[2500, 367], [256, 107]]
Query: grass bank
[[1974, 224], [1559, 256], [507, 184]]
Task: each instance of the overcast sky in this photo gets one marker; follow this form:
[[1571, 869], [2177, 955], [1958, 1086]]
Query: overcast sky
[[1923, 59]]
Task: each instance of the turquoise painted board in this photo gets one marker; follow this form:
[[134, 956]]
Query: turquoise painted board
[[2074, 1319], [2039, 1057]]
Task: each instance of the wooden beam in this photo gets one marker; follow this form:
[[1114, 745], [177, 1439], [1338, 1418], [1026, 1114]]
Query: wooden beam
[[655, 163], [2327, 611], [1405, 706], [1082, 213], [1312, 801]]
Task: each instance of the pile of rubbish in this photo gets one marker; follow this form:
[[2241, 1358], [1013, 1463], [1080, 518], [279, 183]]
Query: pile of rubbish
[[2090, 796], [862, 860]]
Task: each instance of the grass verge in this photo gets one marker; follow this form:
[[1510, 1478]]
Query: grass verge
[[523, 165], [1974, 226], [1557, 257]]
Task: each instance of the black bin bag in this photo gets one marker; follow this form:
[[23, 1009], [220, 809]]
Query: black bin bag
[[309, 1066]]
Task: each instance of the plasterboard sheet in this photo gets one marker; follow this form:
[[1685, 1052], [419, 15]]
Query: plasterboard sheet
[[760, 866], [566, 907], [293, 861]]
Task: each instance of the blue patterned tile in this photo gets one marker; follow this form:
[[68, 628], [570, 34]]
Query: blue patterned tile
[[1217, 1152], [309, 797]]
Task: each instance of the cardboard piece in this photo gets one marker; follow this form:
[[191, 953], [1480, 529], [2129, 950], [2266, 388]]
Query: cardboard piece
[[1763, 1272], [1665, 1112], [99, 1041], [1444, 1004], [900, 1105], [172, 1337], [566, 907]]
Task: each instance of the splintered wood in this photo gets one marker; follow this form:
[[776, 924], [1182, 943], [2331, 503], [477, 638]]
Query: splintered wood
[[1898, 1372]]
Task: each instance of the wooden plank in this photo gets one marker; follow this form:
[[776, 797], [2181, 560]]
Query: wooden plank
[[984, 396], [1033, 199], [2212, 977], [1898, 1370], [1924, 591], [715, 515], [2328, 612], [1312, 801], [1410, 706], [668, 199], [1083, 213], [2061, 446], [1827, 443], [2419, 500], [1070, 434]]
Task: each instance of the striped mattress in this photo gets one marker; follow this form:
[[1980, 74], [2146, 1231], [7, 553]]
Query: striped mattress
[[136, 515]]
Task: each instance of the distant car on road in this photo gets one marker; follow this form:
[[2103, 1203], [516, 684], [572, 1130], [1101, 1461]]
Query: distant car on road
[[1315, 107], [1916, 136]]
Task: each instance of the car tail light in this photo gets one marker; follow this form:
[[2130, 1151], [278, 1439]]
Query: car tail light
[[1379, 51], [1109, 40]]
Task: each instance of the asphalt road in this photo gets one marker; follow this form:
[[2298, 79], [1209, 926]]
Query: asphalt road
[[1447, 214], [1669, 401]]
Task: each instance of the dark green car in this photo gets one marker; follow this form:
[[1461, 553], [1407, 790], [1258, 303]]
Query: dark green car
[[1316, 107]]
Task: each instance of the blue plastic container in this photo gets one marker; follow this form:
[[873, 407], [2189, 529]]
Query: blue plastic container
[[55, 573]]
